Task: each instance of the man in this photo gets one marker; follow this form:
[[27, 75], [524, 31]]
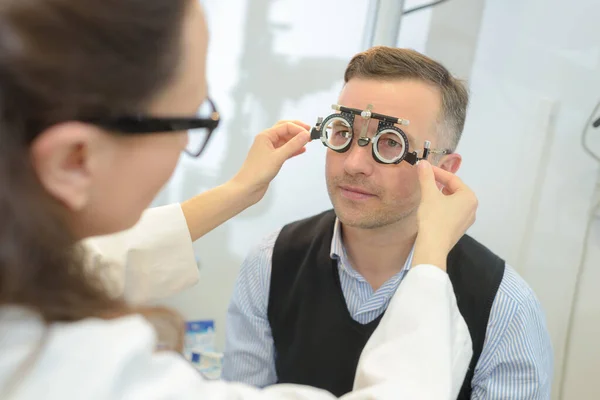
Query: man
[[308, 297]]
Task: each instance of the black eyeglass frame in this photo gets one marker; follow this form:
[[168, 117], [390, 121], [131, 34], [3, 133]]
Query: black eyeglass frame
[[386, 123], [144, 124]]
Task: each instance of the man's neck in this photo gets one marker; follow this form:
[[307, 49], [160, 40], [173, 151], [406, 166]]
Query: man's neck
[[378, 254]]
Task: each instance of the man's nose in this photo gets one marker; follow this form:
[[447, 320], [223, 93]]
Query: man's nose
[[359, 159]]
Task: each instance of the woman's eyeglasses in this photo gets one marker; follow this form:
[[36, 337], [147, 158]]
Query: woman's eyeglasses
[[200, 128]]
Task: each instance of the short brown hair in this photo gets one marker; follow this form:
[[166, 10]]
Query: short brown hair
[[383, 63]]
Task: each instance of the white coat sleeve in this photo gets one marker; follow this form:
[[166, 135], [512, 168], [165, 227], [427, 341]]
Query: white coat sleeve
[[421, 350], [152, 260], [422, 338]]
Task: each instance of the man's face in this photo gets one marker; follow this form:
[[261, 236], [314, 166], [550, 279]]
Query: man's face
[[367, 194]]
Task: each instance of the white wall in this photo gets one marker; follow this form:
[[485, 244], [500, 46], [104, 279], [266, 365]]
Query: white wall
[[535, 80], [453, 34], [535, 77]]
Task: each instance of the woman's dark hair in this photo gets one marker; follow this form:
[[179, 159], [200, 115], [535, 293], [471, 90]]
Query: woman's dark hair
[[62, 60]]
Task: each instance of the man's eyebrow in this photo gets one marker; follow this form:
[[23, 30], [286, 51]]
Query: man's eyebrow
[[371, 114], [338, 122]]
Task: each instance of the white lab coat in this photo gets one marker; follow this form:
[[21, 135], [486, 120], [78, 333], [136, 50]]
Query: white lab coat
[[153, 260], [421, 349]]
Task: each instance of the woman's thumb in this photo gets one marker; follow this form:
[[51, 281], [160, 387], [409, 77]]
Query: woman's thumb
[[426, 178], [293, 146]]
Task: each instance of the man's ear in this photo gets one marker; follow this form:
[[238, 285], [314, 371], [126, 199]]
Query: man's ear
[[451, 162], [60, 157]]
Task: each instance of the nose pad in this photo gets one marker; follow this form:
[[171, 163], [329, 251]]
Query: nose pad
[[359, 159], [363, 141]]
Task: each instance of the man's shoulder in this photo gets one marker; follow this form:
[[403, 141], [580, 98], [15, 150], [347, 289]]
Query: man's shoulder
[[473, 248], [515, 290], [475, 272], [517, 332], [267, 243], [257, 268], [516, 305], [263, 251], [297, 237], [512, 287]]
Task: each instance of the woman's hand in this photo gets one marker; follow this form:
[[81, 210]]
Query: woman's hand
[[444, 214], [271, 148]]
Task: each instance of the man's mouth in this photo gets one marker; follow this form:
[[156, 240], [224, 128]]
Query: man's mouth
[[355, 193]]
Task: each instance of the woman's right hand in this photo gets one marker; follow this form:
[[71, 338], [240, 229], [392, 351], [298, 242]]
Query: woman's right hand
[[444, 214], [270, 150]]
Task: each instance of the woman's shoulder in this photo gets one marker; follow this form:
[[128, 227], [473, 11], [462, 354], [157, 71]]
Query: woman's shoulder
[[92, 358], [130, 332]]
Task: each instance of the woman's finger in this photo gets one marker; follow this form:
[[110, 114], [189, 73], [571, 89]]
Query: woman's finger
[[295, 122], [450, 181], [283, 132], [426, 178], [293, 146]]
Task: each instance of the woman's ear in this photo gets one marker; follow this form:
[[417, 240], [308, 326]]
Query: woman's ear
[[61, 156]]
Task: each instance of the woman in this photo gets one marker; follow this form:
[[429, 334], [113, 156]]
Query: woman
[[88, 90]]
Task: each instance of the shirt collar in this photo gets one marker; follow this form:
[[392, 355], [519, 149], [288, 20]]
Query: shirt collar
[[337, 247], [338, 251]]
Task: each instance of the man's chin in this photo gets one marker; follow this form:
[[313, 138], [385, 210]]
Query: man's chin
[[367, 218], [357, 219]]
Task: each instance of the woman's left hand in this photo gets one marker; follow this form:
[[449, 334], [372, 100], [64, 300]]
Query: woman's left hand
[[271, 148], [444, 216]]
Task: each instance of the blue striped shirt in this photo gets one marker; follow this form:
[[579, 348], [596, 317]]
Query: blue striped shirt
[[516, 362]]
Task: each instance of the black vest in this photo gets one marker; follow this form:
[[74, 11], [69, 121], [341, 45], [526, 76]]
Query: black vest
[[317, 342]]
